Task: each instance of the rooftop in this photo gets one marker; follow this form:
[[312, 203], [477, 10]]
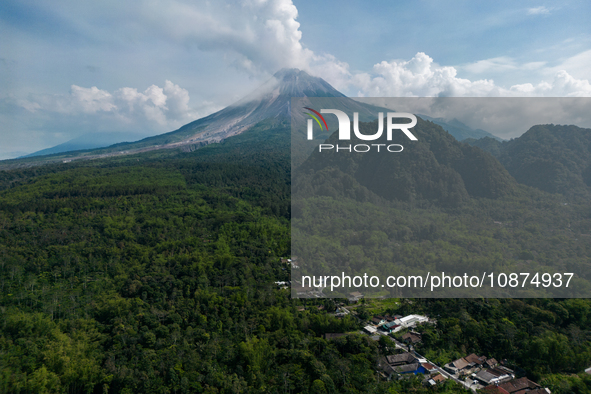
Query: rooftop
[[474, 359], [438, 378], [516, 385], [500, 371], [403, 358], [492, 362], [493, 375], [460, 363], [407, 368], [492, 389], [486, 376], [370, 329], [412, 337]]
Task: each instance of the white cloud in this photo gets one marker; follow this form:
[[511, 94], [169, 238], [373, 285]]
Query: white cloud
[[262, 36], [421, 76], [541, 10], [501, 64], [90, 100], [177, 102], [151, 103], [80, 100], [505, 117], [577, 65], [259, 37], [563, 85], [160, 109], [28, 105], [256, 35]]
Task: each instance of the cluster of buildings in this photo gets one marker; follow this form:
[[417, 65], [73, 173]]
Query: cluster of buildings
[[389, 324], [471, 364], [489, 375], [407, 363], [486, 374], [480, 372]]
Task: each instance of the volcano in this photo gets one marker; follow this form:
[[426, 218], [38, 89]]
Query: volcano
[[271, 100], [269, 104]]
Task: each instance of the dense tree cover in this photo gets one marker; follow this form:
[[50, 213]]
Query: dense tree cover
[[567, 384], [529, 231], [437, 206], [553, 158], [155, 273], [488, 144], [435, 168], [159, 277]]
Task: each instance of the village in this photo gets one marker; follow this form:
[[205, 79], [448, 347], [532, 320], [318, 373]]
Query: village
[[475, 372], [478, 373]]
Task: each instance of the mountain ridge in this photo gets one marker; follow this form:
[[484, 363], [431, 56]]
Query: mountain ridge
[[271, 100], [435, 168], [459, 130], [88, 142], [552, 158]]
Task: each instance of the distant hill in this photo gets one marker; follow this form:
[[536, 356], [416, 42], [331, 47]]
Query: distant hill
[[552, 158], [436, 168], [89, 141], [459, 130]]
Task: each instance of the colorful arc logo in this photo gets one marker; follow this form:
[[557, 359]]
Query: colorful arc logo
[[316, 119]]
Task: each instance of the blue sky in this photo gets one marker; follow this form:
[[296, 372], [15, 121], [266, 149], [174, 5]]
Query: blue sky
[[453, 33], [68, 68]]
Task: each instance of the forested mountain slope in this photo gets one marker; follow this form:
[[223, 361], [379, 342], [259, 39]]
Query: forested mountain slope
[[435, 168], [155, 273], [553, 158]]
